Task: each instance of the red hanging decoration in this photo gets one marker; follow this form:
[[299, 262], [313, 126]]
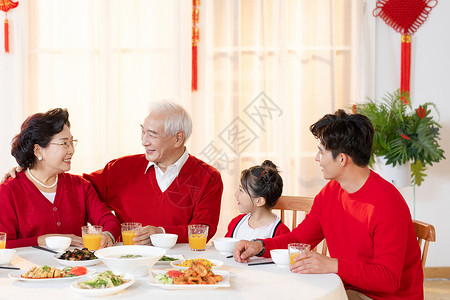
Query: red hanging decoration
[[6, 5], [195, 40], [405, 17]]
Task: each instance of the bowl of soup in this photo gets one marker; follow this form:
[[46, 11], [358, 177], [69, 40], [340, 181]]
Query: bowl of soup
[[136, 260]]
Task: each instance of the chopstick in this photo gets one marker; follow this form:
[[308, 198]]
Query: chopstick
[[261, 263], [10, 268], [45, 249]]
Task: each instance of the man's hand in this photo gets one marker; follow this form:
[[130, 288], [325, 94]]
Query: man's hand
[[246, 249], [11, 173], [314, 263], [143, 235], [106, 241]]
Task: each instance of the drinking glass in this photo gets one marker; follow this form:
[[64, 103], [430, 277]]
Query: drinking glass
[[92, 236], [197, 237], [295, 249], [129, 232], [2, 240]]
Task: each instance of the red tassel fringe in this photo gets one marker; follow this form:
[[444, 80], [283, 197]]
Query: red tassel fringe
[[405, 74], [194, 86], [6, 36]]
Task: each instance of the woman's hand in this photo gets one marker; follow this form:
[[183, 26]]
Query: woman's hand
[[77, 241], [314, 263]]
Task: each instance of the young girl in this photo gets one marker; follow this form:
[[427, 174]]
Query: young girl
[[259, 191]]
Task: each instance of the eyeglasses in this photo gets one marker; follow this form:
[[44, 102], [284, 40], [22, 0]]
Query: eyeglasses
[[66, 145]]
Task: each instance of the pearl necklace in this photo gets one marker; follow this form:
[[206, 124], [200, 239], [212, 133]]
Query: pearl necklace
[[46, 186]]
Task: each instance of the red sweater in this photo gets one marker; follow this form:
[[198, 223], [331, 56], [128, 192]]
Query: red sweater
[[26, 214], [371, 234], [193, 197]]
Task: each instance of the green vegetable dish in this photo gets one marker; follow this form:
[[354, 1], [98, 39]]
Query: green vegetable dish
[[167, 258], [103, 280]]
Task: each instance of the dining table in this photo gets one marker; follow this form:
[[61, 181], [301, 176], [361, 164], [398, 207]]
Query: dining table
[[263, 281]]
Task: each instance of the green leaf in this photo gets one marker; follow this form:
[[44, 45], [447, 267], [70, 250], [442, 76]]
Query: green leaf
[[418, 173]]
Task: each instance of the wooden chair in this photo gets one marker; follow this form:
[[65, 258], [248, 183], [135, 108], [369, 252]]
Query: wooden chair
[[424, 232], [296, 204]]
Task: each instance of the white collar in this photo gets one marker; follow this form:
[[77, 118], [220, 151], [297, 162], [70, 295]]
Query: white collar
[[178, 164]]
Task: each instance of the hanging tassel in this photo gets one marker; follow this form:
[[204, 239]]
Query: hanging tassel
[[194, 86], [405, 74], [195, 40], [6, 36]]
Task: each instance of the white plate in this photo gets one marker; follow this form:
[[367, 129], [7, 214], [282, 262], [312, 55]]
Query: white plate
[[215, 262], [221, 284], [76, 263], [177, 256], [16, 275], [105, 291]]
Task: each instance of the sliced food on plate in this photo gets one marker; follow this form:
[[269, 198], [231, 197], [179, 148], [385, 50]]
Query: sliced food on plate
[[50, 272]]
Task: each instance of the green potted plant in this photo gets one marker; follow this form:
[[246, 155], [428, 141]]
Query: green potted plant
[[404, 134]]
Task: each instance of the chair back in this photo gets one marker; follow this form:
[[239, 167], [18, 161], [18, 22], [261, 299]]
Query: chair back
[[296, 204], [425, 233]]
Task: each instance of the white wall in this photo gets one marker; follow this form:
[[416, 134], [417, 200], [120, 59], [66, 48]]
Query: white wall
[[430, 65]]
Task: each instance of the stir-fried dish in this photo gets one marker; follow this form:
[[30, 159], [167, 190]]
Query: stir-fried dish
[[103, 280], [78, 255], [198, 273]]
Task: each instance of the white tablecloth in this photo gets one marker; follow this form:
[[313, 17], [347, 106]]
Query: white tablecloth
[[247, 282]]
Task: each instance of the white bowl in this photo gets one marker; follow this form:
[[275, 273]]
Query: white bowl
[[58, 243], [164, 240], [280, 257], [225, 245], [7, 256], [138, 267]]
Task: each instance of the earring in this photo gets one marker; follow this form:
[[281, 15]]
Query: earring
[[39, 157]]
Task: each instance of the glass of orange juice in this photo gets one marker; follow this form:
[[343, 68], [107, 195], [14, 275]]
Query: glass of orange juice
[[197, 237], [2, 240], [295, 249], [92, 236], [129, 232]]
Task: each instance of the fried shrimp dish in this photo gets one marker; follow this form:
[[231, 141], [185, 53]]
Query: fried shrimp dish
[[198, 273]]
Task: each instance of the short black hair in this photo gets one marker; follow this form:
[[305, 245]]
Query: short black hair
[[263, 181], [351, 134], [37, 129]]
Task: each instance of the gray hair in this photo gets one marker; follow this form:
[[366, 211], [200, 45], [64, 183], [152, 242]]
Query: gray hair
[[176, 118]]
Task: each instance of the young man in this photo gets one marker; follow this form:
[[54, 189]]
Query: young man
[[364, 219]]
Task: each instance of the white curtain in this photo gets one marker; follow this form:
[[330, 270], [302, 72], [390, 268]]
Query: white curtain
[[268, 69]]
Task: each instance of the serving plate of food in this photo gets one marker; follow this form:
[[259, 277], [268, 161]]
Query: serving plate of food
[[50, 274], [196, 277], [77, 257], [184, 264], [103, 284], [168, 258]]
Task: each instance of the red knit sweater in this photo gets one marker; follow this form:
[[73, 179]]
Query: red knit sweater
[[26, 214], [194, 196], [371, 234]]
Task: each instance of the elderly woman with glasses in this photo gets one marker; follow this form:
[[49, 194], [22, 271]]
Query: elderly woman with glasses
[[45, 200]]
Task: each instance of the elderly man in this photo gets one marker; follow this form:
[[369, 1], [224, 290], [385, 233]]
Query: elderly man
[[165, 189], [365, 220]]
